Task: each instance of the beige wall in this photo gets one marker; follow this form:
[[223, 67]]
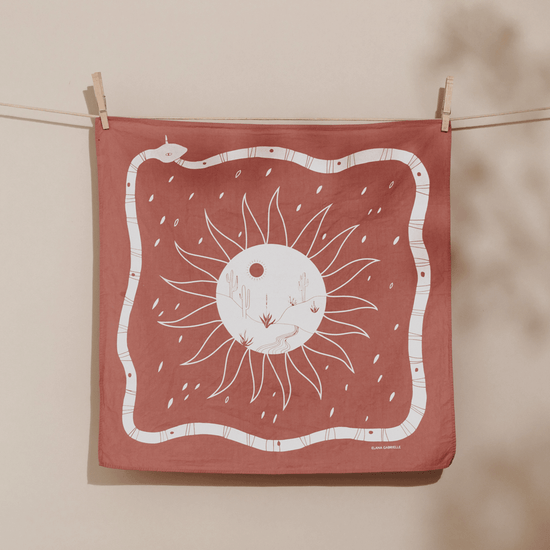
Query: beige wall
[[301, 58]]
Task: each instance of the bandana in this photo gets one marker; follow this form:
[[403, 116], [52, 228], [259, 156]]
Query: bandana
[[275, 298]]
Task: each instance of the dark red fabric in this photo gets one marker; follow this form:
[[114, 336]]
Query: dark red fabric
[[258, 369]]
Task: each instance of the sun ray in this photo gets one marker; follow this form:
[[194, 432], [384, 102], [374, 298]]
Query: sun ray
[[206, 341], [350, 366], [370, 260], [255, 377], [170, 324], [275, 198], [190, 282], [182, 253], [345, 361], [283, 380], [202, 256], [321, 213], [189, 314], [212, 228], [193, 362], [343, 236], [357, 330], [224, 385], [248, 231], [175, 284], [326, 355], [316, 382], [352, 277], [346, 298]]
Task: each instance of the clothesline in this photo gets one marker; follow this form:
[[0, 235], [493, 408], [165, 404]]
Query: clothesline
[[296, 119]]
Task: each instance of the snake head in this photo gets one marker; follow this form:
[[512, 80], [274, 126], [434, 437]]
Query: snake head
[[168, 152]]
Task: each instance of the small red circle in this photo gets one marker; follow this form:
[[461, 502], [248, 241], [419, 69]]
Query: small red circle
[[171, 433], [422, 274], [370, 431], [339, 163], [418, 173], [279, 443], [271, 150], [204, 162], [128, 184], [256, 270], [415, 370], [129, 375]]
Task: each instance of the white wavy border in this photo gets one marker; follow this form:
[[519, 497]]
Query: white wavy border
[[172, 153]]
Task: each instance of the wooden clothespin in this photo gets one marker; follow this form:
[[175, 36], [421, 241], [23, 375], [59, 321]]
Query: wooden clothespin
[[100, 98], [446, 111]]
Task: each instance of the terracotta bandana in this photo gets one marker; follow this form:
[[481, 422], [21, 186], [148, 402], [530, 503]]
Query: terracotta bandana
[[275, 299]]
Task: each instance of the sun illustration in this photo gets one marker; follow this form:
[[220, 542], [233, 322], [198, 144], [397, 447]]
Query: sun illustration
[[272, 298]]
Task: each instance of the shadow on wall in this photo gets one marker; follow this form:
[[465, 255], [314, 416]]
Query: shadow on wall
[[508, 511], [500, 190], [500, 196]]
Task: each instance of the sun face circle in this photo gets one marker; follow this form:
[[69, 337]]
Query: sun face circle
[[271, 298]]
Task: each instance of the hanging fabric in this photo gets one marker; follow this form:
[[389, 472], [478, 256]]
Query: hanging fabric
[[275, 298]]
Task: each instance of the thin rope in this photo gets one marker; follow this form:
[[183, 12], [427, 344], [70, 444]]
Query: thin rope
[[288, 119], [496, 124], [501, 114], [47, 110]]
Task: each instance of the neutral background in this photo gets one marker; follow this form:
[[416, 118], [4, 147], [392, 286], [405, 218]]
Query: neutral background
[[258, 58]]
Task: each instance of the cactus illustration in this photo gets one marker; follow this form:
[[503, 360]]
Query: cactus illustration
[[232, 285], [314, 308], [292, 301], [246, 342], [303, 284], [244, 295], [267, 319]]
